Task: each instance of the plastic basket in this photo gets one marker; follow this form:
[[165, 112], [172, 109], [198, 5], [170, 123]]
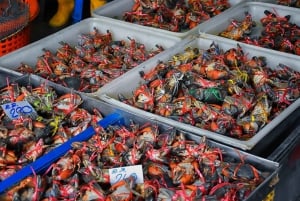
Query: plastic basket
[[15, 31], [34, 8], [15, 41]]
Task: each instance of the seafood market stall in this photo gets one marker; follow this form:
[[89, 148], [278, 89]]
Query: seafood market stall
[[161, 161], [126, 105]]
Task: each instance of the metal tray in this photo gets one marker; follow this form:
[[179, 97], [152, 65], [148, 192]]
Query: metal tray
[[256, 9], [120, 31], [115, 114], [132, 80], [114, 10]]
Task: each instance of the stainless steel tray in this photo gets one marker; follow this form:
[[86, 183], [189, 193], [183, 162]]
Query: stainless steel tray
[[127, 84]]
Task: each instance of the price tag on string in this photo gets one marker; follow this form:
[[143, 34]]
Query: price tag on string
[[120, 173], [16, 109]]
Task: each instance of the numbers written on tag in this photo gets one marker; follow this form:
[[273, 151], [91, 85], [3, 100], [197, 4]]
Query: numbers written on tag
[[15, 109], [120, 173]]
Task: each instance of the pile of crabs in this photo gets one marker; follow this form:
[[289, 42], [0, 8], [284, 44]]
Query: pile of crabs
[[174, 168], [218, 90], [30, 133], [96, 60], [278, 32], [174, 15], [292, 3]]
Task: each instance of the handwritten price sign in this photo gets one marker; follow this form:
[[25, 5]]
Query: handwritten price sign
[[15, 109], [118, 174]]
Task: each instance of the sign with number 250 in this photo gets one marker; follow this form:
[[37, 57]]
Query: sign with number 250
[[120, 173]]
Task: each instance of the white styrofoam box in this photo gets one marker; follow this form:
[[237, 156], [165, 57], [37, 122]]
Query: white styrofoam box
[[120, 31], [126, 84], [256, 9], [115, 10]]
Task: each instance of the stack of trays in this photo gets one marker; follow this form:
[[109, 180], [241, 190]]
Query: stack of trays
[[133, 80], [114, 115]]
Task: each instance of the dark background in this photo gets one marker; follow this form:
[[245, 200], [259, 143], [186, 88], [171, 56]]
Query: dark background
[[39, 26]]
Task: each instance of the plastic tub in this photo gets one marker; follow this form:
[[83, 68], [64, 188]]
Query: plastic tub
[[123, 117], [133, 79], [119, 31], [115, 10], [256, 10]]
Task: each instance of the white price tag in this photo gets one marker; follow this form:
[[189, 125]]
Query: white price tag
[[120, 173], [15, 109]]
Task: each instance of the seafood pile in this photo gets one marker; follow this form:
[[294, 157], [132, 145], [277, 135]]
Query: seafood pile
[[53, 120], [292, 3], [277, 33], [96, 60], [219, 90], [174, 168], [174, 15]]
